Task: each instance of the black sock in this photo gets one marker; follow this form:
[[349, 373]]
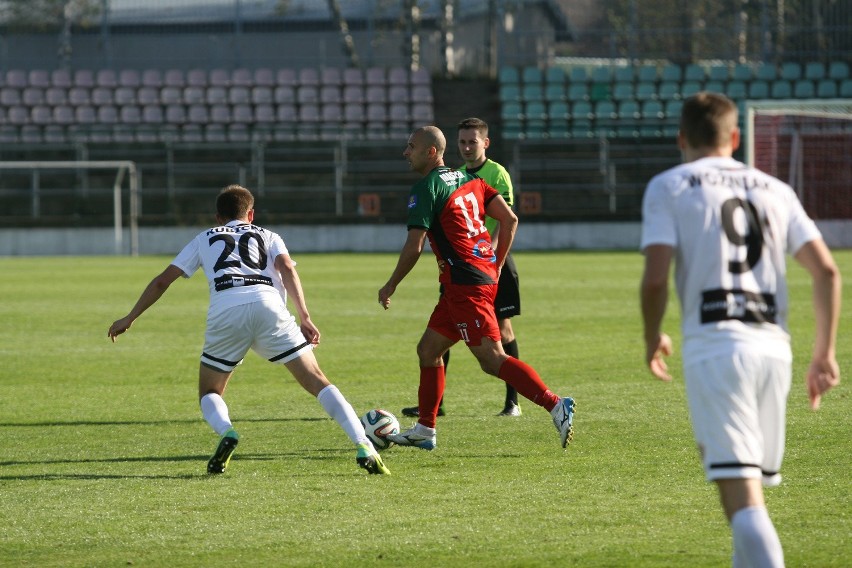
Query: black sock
[[511, 349]]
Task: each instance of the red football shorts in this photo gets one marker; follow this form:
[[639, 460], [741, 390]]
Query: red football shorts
[[466, 313]]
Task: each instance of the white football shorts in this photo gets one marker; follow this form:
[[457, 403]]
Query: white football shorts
[[737, 406], [264, 326]]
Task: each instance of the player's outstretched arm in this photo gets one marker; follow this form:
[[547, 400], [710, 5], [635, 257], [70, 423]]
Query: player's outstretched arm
[[823, 372], [408, 257], [293, 285], [153, 292], [654, 292]]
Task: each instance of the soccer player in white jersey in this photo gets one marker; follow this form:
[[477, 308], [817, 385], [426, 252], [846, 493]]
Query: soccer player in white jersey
[[250, 275], [728, 228]]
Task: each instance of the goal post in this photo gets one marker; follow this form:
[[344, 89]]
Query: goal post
[[806, 143], [123, 168]]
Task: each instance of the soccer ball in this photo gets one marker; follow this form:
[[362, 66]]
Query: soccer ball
[[378, 424]]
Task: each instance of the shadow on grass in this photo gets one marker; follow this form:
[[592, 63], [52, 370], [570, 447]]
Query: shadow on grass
[[60, 423]]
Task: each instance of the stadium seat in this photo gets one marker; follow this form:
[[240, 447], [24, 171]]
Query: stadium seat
[[512, 110], [765, 72], [239, 95], [215, 78], [44, 114], [331, 77], [845, 90], [554, 92], [106, 78], [168, 95], [671, 72], [375, 76], [814, 71], [714, 86], [330, 94], [376, 94], [623, 74], [175, 114], [838, 70], [220, 114], [646, 91], [578, 92], [532, 92], [826, 89], [420, 76], [174, 78], [125, 96], [758, 89], [736, 90], [38, 78], [56, 96], [689, 88], [422, 113], [103, 96], [531, 75], [152, 78], [554, 75], [790, 71], [264, 113], [398, 76], [741, 72], [606, 118], [242, 114], [719, 73], [197, 114], [647, 74], [352, 77], [286, 77], [82, 78], [264, 77], [694, 73], [535, 113], [601, 74], [399, 112], [623, 91], [558, 110], [668, 90], [781, 89], [309, 76], [10, 96], [307, 94], [508, 75], [628, 119], [421, 94], [61, 78], [354, 94], [578, 75], [284, 94], [804, 89], [241, 77], [33, 96], [79, 96]]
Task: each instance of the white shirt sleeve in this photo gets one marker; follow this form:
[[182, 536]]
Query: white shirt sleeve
[[658, 220], [189, 259]]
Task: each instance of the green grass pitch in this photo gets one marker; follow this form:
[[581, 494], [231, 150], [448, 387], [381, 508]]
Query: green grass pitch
[[104, 449]]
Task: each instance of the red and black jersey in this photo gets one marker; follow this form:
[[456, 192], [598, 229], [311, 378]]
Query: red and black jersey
[[450, 205]]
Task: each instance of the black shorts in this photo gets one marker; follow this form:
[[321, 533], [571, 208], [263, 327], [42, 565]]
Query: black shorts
[[507, 303]]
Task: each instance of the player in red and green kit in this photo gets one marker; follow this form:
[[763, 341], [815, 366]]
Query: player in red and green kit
[[449, 207]]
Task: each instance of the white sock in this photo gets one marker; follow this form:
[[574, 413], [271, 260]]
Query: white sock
[[338, 408], [756, 544], [215, 412]]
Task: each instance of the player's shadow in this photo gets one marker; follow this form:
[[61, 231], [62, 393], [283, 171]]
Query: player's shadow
[[62, 423]]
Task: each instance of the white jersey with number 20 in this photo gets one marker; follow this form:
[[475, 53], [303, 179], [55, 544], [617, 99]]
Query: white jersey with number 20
[[731, 227], [239, 262]]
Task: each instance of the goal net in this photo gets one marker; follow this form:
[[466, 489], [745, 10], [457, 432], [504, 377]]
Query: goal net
[[808, 144]]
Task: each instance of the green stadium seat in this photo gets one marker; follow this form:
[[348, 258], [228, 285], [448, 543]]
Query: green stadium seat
[[668, 90], [623, 91], [826, 89], [554, 75], [765, 72], [512, 110], [623, 74], [554, 92], [535, 112], [781, 89], [600, 91], [671, 72], [736, 90], [742, 72], [601, 74], [689, 88], [606, 118], [508, 75], [758, 89], [714, 86], [510, 92], [693, 72], [838, 70], [804, 89], [646, 91], [581, 119], [790, 71], [558, 128], [530, 75], [845, 90], [628, 119], [558, 110], [532, 92], [814, 71], [647, 74], [652, 110], [578, 92], [718, 73], [578, 75]]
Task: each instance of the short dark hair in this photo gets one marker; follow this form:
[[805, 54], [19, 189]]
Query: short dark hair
[[708, 119], [474, 123], [234, 202]]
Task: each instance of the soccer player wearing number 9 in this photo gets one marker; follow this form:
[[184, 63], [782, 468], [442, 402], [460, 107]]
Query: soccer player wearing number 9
[[728, 228], [250, 275], [449, 207]]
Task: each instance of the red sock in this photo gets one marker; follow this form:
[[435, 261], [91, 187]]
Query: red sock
[[432, 380], [527, 382]]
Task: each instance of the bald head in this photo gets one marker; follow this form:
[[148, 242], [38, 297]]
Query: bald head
[[425, 149], [432, 136]]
